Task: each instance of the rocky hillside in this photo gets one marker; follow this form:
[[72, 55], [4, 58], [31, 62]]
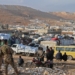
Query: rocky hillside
[[12, 14], [65, 15]]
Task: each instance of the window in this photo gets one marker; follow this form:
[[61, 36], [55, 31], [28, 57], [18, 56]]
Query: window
[[60, 48], [13, 45], [36, 45], [32, 44], [72, 49], [69, 49]]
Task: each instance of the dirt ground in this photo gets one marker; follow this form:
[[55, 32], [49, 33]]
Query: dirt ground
[[70, 68], [69, 64], [26, 58]]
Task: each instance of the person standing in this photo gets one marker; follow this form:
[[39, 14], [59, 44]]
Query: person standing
[[47, 53], [8, 58], [51, 54], [1, 58], [47, 48]]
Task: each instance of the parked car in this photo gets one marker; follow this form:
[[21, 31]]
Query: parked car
[[24, 49]]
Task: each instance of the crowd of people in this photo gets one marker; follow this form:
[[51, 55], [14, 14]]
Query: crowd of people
[[6, 57]]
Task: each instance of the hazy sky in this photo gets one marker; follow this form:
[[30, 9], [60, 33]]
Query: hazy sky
[[44, 5]]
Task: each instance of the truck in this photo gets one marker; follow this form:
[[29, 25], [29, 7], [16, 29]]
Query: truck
[[44, 44], [24, 49]]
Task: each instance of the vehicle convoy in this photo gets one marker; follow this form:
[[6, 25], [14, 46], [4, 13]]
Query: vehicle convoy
[[28, 50], [24, 49]]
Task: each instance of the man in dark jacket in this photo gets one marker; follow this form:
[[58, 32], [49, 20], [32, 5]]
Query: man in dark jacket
[[51, 54], [59, 55], [64, 57], [20, 61]]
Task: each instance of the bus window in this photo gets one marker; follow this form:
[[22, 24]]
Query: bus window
[[69, 49], [73, 49], [60, 48]]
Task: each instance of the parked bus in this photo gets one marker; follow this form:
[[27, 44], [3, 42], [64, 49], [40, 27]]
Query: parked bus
[[70, 51]]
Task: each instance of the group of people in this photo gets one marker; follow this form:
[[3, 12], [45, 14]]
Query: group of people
[[49, 56], [49, 53], [60, 57], [6, 57]]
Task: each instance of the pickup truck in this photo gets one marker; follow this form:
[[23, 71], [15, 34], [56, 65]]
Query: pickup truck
[[24, 49]]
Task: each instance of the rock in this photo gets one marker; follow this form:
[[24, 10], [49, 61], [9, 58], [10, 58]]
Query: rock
[[40, 71]]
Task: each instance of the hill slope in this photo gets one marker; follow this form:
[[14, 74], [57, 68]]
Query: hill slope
[[65, 15], [12, 14]]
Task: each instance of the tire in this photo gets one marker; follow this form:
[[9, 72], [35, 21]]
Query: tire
[[27, 54], [23, 54], [69, 57]]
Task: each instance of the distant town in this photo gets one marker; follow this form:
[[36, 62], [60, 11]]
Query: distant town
[[41, 27]]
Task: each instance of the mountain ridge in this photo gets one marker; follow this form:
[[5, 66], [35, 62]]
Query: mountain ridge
[[15, 14]]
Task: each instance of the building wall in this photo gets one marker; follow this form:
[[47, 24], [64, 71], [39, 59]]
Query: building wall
[[42, 31]]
